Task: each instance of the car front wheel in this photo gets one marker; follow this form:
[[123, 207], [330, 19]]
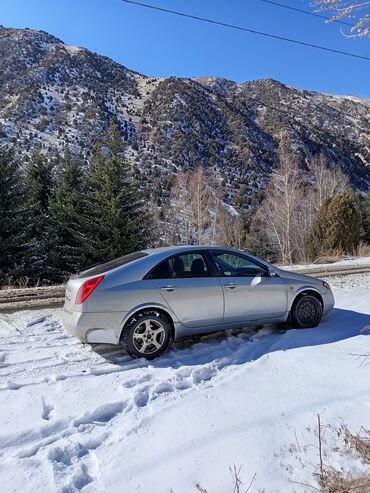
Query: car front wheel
[[306, 312], [147, 335]]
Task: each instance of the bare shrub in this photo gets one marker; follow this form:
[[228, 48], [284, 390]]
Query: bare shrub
[[237, 481], [332, 480], [280, 211], [230, 230], [292, 201], [189, 213], [327, 181], [197, 215]]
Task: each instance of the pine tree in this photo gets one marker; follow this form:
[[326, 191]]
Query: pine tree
[[38, 183], [11, 215], [365, 213], [336, 228], [318, 230], [117, 222], [66, 228]]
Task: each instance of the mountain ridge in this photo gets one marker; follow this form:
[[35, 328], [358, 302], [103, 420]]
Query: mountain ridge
[[55, 95]]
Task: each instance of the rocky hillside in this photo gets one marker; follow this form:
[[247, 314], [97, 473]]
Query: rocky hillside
[[55, 94]]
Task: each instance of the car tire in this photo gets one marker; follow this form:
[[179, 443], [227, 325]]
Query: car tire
[[306, 312], [146, 335]]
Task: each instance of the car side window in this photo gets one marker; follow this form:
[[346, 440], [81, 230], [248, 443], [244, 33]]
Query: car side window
[[161, 271], [234, 265], [181, 266]]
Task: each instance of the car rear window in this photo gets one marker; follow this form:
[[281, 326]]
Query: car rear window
[[112, 264]]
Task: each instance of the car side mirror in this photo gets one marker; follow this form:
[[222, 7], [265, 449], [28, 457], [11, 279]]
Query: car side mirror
[[272, 273]]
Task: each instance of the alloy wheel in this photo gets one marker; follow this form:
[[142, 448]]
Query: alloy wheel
[[149, 336]]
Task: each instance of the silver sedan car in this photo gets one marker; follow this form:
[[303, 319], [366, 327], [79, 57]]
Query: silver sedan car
[[145, 299]]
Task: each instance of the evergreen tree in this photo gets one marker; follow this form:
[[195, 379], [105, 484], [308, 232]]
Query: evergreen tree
[[38, 183], [66, 228], [365, 213], [117, 221], [11, 215], [336, 228]]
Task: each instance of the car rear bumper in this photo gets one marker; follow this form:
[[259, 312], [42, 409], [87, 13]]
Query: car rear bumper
[[101, 328]]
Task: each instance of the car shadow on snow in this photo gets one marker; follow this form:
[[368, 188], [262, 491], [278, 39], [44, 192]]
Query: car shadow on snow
[[240, 346]]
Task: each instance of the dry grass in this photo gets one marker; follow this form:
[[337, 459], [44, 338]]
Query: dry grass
[[237, 481], [363, 250], [357, 444], [21, 283], [332, 480], [328, 259]]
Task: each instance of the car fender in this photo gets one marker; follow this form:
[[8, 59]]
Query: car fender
[[143, 306], [293, 293]]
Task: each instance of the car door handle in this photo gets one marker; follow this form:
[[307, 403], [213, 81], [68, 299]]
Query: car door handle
[[168, 288], [230, 285]]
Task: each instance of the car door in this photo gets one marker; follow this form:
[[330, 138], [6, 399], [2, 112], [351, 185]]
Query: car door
[[249, 292], [186, 285]]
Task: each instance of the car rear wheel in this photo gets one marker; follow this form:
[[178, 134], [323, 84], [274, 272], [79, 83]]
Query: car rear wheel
[[147, 335], [306, 312]]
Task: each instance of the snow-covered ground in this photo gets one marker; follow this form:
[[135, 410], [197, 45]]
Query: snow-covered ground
[[345, 262], [77, 418]]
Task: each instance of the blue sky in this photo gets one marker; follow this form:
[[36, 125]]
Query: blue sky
[[160, 44]]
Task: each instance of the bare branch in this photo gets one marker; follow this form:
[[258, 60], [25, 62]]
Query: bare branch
[[358, 12]]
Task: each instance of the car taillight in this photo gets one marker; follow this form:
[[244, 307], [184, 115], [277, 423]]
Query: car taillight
[[87, 288]]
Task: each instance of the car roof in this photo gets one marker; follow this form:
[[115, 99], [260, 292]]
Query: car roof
[[178, 248], [163, 252]]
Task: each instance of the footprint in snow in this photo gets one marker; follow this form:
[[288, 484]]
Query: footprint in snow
[[163, 388], [183, 373], [183, 380], [141, 397], [102, 414], [57, 454], [74, 463], [183, 384], [35, 321], [81, 479], [12, 386], [3, 357], [58, 377], [47, 410], [203, 374], [132, 383]]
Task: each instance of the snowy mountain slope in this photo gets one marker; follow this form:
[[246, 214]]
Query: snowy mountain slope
[[54, 95], [80, 418]]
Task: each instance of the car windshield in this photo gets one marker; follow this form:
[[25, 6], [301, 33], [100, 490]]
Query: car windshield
[[112, 264]]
